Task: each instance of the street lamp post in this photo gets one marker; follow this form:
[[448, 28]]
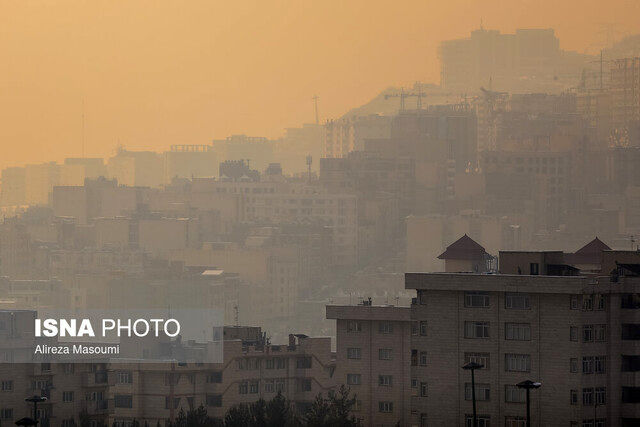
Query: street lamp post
[[528, 385], [35, 400], [472, 366]]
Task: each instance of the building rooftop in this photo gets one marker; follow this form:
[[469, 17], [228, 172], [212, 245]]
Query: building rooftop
[[465, 248]]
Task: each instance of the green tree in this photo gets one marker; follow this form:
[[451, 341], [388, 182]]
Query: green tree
[[332, 411], [279, 413], [238, 416]]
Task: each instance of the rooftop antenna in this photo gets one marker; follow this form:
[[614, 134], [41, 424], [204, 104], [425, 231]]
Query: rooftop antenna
[[315, 104]]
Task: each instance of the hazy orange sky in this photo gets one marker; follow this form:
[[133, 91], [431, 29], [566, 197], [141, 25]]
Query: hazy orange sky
[[154, 73]]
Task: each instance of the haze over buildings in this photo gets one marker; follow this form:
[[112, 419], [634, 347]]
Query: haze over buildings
[[490, 216]]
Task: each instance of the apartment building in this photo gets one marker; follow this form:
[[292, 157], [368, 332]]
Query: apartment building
[[117, 392], [294, 202], [540, 318], [373, 360]]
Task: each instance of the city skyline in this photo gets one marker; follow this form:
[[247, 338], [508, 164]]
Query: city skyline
[[146, 78]]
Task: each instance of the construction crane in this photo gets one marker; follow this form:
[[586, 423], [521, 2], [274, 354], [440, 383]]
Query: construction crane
[[404, 95]]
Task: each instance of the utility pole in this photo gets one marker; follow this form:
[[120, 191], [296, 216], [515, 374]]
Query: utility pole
[[315, 104]]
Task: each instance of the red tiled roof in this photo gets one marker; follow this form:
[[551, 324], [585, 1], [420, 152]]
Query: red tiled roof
[[464, 248]]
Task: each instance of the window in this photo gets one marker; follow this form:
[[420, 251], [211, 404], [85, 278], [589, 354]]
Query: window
[[513, 394], [587, 333], [630, 363], [630, 394], [415, 327], [483, 421], [269, 386], [601, 302], [353, 353], [214, 400], [601, 395], [69, 368], [573, 397], [575, 302], [281, 363], [423, 358], [168, 402], [573, 333], [124, 377], [414, 383], [354, 326], [517, 301], [476, 329], [630, 331], [587, 396], [386, 407], [6, 385], [422, 297], [281, 385], [385, 380], [123, 401], [68, 423], [480, 358], [587, 302], [600, 364], [303, 362], [515, 422], [354, 379], [482, 392], [476, 299], [517, 362], [6, 413], [304, 384], [385, 354], [423, 389], [243, 387], [573, 365], [534, 268], [600, 333], [254, 386], [587, 364], [67, 396], [423, 328], [630, 301], [214, 377], [517, 331], [269, 364], [385, 327]]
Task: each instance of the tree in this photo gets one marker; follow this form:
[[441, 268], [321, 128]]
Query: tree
[[195, 418], [332, 411], [238, 416], [278, 412]]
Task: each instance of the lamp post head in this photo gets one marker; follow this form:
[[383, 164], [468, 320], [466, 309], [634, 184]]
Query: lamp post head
[[528, 384], [26, 422], [472, 366]]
